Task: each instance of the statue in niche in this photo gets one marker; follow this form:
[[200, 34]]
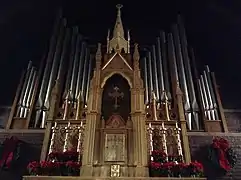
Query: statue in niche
[[116, 95]]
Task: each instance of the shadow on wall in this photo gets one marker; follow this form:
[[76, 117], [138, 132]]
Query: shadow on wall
[[4, 113], [28, 152]]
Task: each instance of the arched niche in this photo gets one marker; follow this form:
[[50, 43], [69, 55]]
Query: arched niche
[[112, 97]]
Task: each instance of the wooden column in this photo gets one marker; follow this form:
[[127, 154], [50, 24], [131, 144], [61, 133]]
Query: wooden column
[[219, 102], [185, 140], [139, 133]]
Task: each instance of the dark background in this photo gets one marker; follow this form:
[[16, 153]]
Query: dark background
[[213, 28]]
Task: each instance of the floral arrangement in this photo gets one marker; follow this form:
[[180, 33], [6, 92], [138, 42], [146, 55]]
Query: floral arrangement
[[59, 163], [221, 155], [172, 166]]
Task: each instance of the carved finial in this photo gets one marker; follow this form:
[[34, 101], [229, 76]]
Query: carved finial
[[118, 30], [98, 55], [136, 54], [178, 89], [56, 87], [153, 96]]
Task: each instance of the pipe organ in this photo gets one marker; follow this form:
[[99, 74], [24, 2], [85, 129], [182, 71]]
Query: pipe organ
[[69, 60], [170, 60]]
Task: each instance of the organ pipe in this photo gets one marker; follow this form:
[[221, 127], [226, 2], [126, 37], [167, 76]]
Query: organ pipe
[[165, 63], [182, 76], [63, 55], [187, 66], [209, 96], [83, 89], [80, 69], [161, 76], [155, 74], [208, 73], [88, 78], [150, 74], [146, 80], [20, 102], [74, 71]]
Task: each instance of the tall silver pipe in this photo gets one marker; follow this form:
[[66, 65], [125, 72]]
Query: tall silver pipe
[[146, 80], [24, 104], [155, 72], [83, 89], [202, 96], [204, 91], [45, 78], [20, 101], [80, 69], [88, 78], [31, 91], [55, 64], [210, 100], [209, 79], [49, 60], [188, 70], [182, 76], [71, 61], [161, 76], [165, 63], [75, 68], [150, 74], [171, 52], [63, 54]]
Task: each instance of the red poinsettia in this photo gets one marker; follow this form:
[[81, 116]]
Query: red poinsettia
[[159, 156], [33, 168], [195, 168]]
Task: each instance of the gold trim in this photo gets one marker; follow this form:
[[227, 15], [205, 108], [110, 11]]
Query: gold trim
[[116, 72]]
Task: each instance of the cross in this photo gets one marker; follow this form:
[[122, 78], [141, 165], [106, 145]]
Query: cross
[[116, 95]]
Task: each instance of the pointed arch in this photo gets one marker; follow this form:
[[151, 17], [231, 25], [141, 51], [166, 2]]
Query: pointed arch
[[113, 73]]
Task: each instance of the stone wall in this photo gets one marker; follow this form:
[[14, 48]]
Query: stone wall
[[30, 151], [233, 118]]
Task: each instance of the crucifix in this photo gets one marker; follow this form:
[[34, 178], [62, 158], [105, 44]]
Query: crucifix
[[116, 95]]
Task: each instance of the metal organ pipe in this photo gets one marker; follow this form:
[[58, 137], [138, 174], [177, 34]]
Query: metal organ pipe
[[156, 71], [210, 100], [204, 91], [30, 93], [146, 80], [63, 55], [70, 70], [80, 70], [46, 73], [182, 74], [150, 74], [165, 63], [212, 92], [74, 71], [190, 83], [24, 87], [202, 97], [88, 78], [26, 93], [48, 63], [161, 76], [54, 68], [171, 53], [83, 88]]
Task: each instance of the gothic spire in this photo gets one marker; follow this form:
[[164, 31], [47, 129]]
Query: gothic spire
[[118, 29], [118, 41]]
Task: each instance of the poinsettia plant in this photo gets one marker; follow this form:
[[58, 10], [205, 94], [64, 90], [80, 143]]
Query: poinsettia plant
[[159, 156]]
